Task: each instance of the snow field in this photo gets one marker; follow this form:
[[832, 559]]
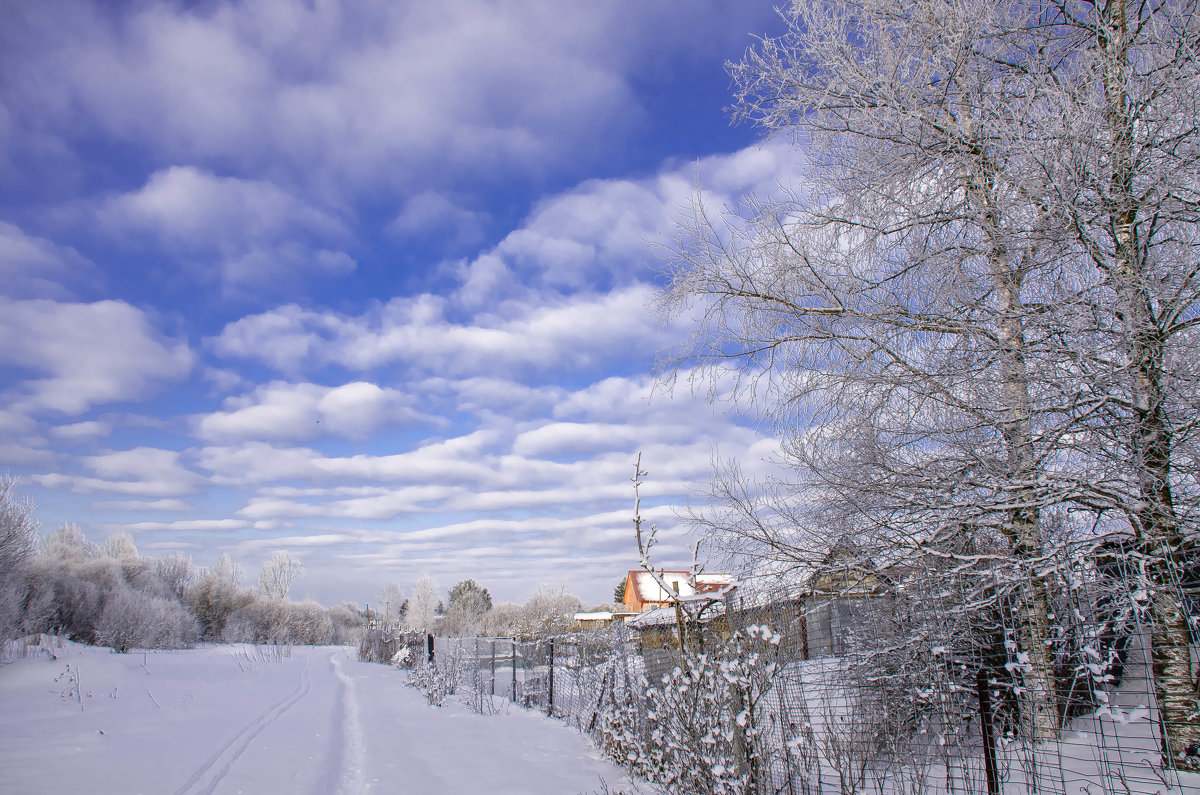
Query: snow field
[[247, 719]]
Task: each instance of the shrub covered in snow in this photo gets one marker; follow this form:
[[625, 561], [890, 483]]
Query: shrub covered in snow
[[212, 599], [134, 619], [349, 624], [60, 603], [704, 729], [436, 685], [268, 620]]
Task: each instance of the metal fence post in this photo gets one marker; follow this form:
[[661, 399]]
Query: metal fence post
[[550, 693], [985, 724], [513, 644], [429, 647], [493, 666]]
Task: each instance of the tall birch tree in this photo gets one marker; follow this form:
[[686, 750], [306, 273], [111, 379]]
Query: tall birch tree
[[1120, 150], [982, 304], [887, 304]]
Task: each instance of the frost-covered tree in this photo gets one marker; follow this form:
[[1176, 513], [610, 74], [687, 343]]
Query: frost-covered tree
[[133, 619], [550, 610], [310, 624], [216, 595], [278, 574], [1119, 151], [18, 541], [176, 572], [472, 596], [120, 546], [469, 601], [225, 569], [502, 621], [68, 543], [60, 602], [349, 623], [981, 306], [391, 599], [259, 620], [881, 316], [422, 605], [137, 571]]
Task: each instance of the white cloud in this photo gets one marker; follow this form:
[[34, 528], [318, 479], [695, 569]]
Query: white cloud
[[34, 267], [187, 525], [223, 380], [16, 422], [558, 438], [603, 232], [77, 431], [24, 453], [286, 411], [392, 92], [141, 472], [172, 505], [258, 231], [432, 213], [195, 208], [574, 333], [393, 503], [454, 461], [345, 87], [87, 354], [482, 395], [519, 306]]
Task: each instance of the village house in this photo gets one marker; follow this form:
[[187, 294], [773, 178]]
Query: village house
[[598, 619], [643, 592]]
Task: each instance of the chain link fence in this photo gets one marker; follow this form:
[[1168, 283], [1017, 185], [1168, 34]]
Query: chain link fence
[[921, 680]]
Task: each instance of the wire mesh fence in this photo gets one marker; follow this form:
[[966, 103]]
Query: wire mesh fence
[[1076, 674]]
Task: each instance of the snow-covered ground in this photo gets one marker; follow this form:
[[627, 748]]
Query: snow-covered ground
[[246, 719]]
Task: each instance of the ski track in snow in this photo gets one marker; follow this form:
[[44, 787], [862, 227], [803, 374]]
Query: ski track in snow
[[236, 745], [351, 732]]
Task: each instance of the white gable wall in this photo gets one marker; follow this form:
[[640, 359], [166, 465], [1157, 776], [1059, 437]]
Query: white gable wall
[[651, 591]]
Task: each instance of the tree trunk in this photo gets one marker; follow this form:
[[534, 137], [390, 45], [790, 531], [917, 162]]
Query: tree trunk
[[1149, 449], [1023, 525]]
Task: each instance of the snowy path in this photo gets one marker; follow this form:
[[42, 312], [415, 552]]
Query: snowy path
[[223, 719]]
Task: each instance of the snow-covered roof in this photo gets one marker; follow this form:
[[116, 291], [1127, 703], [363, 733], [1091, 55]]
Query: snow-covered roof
[[598, 615], [664, 616], [660, 616], [647, 589]]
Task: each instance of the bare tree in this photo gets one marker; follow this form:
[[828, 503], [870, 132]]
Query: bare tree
[[279, 573], [18, 540], [549, 610], [422, 605], [986, 289], [890, 317], [177, 573], [390, 600], [227, 571], [120, 546], [1120, 156], [68, 543]]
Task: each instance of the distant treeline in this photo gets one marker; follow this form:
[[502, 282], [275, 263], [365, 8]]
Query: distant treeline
[[111, 595]]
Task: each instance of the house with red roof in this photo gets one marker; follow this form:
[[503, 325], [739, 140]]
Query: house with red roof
[[643, 592]]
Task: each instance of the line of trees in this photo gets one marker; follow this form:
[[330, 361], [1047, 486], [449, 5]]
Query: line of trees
[[110, 595], [974, 326], [470, 611]]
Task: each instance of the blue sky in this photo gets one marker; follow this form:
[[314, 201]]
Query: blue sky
[[367, 281]]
